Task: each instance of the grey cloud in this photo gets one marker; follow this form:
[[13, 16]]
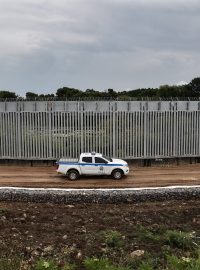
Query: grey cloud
[[99, 44]]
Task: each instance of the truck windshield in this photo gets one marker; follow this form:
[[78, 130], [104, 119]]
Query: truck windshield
[[107, 158]]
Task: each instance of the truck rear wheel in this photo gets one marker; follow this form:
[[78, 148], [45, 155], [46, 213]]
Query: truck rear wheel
[[73, 175], [117, 174]]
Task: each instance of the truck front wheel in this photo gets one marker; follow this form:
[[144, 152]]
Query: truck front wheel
[[117, 174], [73, 175]]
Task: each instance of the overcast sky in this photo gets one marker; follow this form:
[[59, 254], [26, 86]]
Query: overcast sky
[[100, 44]]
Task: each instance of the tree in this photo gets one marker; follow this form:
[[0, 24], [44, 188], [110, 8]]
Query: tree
[[7, 94], [31, 95], [112, 93], [67, 92], [194, 87]]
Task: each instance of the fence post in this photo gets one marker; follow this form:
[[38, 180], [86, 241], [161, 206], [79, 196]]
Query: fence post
[[19, 135], [114, 152]]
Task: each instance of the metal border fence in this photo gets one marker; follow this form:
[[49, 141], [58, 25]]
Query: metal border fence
[[131, 130]]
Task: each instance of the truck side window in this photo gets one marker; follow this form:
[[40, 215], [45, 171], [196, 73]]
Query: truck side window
[[87, 159], [100, 160]]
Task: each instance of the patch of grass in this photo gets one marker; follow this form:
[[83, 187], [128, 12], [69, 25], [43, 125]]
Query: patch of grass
[[179, 239], [146, 266], [183, 263], [43, 264], [146, 234], [145, 262]]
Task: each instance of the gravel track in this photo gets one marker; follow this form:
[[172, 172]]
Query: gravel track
[[139, 177], [42, 184]]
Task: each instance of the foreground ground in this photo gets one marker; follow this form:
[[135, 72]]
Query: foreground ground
[[144, 236], [139, 177]]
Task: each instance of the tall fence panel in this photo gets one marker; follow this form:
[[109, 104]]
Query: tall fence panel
[[134, 130]]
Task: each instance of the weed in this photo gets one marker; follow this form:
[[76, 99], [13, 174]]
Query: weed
[[146, 266], [145, 234], [145, 262], [69, 266], [44, 264], [178, 239], [185, 263], [51, 265], [113, 239]]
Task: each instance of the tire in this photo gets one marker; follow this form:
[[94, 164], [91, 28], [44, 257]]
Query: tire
[[73, 175], [117, 174]]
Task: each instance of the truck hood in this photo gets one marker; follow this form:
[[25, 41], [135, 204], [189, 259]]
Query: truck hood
[[119, 161]]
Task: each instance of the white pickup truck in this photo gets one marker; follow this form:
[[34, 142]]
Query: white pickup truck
[[93, 164]]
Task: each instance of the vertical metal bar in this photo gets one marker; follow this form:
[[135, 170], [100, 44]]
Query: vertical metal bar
[[28, 132], [113, 134], [73, 134], [67, 129], [198, 125], [158, 125], [128, 135], [145, 133], [1, 135], [193, 133]]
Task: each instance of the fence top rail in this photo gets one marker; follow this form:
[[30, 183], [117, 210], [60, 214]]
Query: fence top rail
[[20, 99]]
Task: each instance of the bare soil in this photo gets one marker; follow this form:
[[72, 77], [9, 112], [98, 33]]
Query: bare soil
[[77, 231], [25, 176]]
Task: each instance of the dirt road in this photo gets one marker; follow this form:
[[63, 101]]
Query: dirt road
[[20, 176]]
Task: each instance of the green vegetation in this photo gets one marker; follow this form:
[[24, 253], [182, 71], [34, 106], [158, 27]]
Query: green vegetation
[[7, 94], [100, 237], [51, 265], [102, 264], [113, 239], [176, 250], [165, 91]]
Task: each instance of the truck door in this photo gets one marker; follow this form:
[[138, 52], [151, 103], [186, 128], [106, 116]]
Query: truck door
[[87, 167], [100, 165]]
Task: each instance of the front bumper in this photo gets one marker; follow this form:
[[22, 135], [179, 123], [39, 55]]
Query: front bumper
[[126, 170]]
